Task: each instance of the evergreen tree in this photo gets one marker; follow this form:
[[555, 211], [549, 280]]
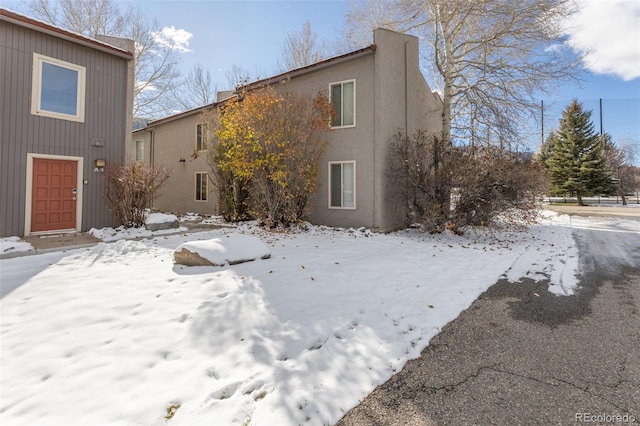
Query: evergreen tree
[[576, 164]]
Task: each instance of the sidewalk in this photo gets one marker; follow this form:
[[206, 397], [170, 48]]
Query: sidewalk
[[46, 243], [68, 241], [53, 242]]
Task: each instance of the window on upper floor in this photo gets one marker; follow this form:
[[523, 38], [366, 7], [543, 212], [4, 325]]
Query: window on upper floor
[[202, 134], [343, 100], [139, 150], [57, 89], [201, 186], [342, 185]]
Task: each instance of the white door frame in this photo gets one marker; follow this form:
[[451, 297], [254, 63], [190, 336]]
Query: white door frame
[[29, 189]]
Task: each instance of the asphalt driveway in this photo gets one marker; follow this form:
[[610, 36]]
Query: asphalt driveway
[[523, 356]]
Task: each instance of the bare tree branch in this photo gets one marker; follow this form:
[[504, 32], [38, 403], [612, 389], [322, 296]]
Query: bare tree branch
[[197, 89], [490, 57], [364, 16], [88, 17], [620, 158], [156, 61], [157, 73], [301, 48], [237, 76]]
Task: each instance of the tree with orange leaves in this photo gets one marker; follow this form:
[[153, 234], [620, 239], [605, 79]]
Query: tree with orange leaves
[[269, 144]]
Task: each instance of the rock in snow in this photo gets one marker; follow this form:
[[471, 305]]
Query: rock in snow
[[160, 221], [230, 249]]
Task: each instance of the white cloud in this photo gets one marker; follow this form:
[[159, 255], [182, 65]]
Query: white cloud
[[173, 37], [609, 31], [554, 48], [145, 86]]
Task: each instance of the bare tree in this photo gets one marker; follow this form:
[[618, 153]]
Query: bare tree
[[197, 89], [301, 48], [238, 76], [489, 57], [81, 16], [620, 158], [156, 61], [488, 60], [364, 17]]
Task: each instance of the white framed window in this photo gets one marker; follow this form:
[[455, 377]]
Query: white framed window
[[342, 185], [57, 89], [139, 150], [202, 135], [343, 101], [201, 186]]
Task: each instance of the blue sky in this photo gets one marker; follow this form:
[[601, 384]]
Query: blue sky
[[220, 34], [243, 33]]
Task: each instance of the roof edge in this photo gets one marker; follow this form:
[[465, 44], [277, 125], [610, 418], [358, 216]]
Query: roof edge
[[296, 72], [177, 115], [36, 25], [265, 82]]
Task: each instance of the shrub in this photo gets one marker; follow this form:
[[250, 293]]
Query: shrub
[[449, 188], [492, 182], [269, 145], [420, 172], [130, 190]]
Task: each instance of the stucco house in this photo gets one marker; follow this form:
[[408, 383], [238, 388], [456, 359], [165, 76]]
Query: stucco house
[[375, 91], [179, 143], [65, 106]]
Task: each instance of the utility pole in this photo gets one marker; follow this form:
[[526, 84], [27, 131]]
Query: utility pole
[[601, 132], [542, 118], [600, 117]]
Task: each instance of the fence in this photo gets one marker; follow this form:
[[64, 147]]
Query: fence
[[602, 200]]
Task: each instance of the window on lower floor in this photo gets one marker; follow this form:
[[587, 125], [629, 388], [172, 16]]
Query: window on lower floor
[[201, 186], [139, 150], [57, 89], [342, 184]]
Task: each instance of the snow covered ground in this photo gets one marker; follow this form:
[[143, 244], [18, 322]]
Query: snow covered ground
[[13, 245], [119, 334]]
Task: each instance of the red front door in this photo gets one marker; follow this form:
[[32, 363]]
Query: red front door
[[54, 195]]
